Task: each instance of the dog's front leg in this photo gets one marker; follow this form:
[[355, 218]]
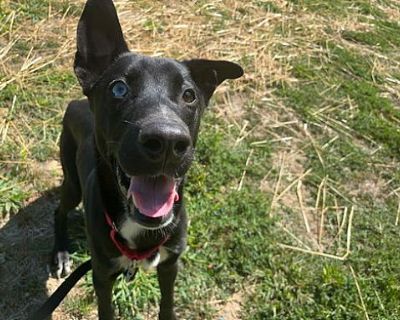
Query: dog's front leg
[[103, 284], [166, 274]]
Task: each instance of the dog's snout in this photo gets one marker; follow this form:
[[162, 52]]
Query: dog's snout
[[168, 142]]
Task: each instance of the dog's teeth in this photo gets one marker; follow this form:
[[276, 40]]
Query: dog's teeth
[[133, 200], [129, 194]]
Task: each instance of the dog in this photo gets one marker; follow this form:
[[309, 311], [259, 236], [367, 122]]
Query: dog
[[125, 151]]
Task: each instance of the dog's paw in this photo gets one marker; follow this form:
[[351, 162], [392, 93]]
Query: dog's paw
[[61, 264]]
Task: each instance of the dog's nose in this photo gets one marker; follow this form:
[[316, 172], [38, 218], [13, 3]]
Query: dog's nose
[[165, 141]]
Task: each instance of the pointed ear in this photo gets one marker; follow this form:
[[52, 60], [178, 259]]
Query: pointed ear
[[99, 41], [208, 74]]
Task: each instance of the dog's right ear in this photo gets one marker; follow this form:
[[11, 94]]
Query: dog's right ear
[[208, 74], [99, 42]]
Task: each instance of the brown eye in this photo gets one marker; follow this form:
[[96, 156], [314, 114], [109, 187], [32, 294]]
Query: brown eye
[[189, 96]]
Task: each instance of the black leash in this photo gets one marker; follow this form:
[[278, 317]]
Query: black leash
[[55, 299]]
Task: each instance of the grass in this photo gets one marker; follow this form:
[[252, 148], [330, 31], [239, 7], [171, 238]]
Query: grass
[[294, 194]]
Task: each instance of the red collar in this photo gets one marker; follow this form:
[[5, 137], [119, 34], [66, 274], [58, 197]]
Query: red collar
[[124, 249]]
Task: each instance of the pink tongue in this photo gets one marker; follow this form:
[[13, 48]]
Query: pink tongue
[[154, 197]]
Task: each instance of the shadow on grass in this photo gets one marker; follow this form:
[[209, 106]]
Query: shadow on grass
[[26, 242]]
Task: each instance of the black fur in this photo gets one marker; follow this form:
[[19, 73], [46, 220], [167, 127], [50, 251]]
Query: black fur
[[151, 131]]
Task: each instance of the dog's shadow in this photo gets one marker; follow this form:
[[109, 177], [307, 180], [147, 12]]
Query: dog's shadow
[[26, 242]]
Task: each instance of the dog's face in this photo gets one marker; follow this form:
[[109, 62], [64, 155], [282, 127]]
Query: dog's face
[[147, 110]]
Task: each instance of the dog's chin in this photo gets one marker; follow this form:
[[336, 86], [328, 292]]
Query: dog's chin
[[145, 221], [151, 223]]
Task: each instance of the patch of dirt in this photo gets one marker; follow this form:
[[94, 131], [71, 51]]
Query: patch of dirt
[[232, 108], [26, 240], [231, 309], [292, 200], [46, 174], [391, 10], [369, 185], [60, 314], [288, 168]]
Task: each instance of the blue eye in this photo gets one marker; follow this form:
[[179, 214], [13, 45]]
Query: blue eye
[[119, 89]]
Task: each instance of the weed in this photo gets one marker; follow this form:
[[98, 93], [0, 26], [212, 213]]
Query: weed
[[11, 197]]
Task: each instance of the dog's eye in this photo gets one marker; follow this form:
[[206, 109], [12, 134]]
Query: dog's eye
[[189, 96], [119, 89]]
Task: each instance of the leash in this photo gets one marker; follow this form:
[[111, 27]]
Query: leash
[[55, 299]]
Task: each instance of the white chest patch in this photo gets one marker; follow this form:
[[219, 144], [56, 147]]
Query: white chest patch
[[129, 229]]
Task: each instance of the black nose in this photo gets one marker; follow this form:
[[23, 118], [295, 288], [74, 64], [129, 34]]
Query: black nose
[[164, 141]]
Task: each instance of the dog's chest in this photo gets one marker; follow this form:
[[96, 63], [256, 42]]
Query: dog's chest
[[129, 230]]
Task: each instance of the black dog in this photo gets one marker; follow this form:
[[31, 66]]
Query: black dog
[[125, 152]]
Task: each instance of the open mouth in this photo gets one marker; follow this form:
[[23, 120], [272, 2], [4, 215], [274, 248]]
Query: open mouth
[[152, 196]]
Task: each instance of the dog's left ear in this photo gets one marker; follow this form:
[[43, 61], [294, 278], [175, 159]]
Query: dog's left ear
[[208, 74], [99, 42]]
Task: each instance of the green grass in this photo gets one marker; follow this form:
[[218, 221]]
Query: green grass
[[339, 7], [11, 196], [36, 10], [383, 37], [375, 115], [329, 99], [268, 6]]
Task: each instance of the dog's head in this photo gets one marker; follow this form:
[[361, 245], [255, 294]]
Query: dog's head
[[147, 110]]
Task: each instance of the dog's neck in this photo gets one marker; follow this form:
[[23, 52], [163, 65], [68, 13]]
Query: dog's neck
[[110, 193]]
